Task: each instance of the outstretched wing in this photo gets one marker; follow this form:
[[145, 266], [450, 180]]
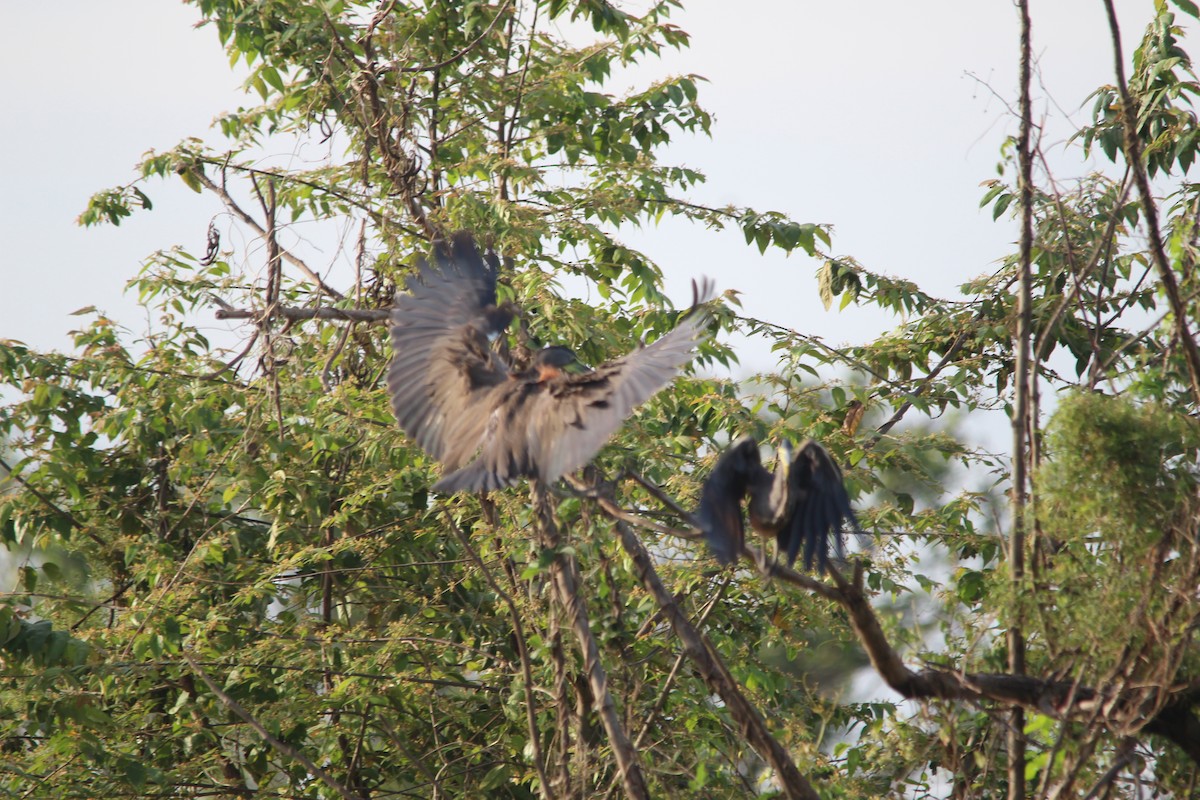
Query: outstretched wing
[[821, 510], [548, 429], [501, 457], [443, 363], [720, 512]]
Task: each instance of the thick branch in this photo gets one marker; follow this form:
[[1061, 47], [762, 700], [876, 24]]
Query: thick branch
[[1022, 420], [1177, 722], [1057, 699]]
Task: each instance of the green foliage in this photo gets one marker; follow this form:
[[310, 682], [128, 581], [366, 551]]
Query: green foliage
[[1163, 84], [1117, 468], [1118, 495]]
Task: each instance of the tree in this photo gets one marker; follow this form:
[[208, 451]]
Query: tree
[[245, 586]]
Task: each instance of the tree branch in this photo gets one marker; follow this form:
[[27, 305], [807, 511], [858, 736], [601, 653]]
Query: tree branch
[[925, 383], [1158, 252], [295, 314], [714, 673], [522, 651], [1058, 699], [258, 727], [1024, 385], [237, 210], [50, 504], [564, 572], [446, 62]]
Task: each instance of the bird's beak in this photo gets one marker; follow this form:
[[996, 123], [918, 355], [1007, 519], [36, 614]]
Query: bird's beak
[[783, 457]]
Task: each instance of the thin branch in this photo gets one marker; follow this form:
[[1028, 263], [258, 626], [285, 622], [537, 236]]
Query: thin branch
[[668, 685], [842, 355], [107, 603], [453, 58], [663, 497], [564, 572], [419, 762], [924, 385], [237, 210], [516, 110], [364, 205], [50, 504], [282, 747], [704, 656], [360, 258], [1045, 340], [522, 651], [296, 314], [1142, 334], [616, 512], [1124, 756]]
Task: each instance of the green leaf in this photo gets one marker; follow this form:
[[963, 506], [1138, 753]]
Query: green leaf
[[1187, 7]]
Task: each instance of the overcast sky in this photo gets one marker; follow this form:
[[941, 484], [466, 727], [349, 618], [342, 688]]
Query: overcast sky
[[879, 117]]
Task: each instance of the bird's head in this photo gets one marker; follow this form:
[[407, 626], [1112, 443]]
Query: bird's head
[[552, 361]]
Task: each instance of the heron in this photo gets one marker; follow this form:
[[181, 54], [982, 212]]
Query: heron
[[802, 502], [490, 424]]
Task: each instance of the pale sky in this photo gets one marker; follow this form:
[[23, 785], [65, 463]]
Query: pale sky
[[863, 115]]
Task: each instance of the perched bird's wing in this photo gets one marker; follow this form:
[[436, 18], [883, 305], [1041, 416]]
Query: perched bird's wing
[[720, 512], [443, 365], [548, 429], [821, 510]]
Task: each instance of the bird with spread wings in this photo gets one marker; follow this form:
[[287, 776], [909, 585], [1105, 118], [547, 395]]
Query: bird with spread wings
[[803, 503], [489, 424]]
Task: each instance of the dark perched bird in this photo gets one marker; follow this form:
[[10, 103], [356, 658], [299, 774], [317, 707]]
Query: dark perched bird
[[489, 424], [803, 502]]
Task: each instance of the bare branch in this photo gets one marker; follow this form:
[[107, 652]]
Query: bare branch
[[237, 210], [294, 314]]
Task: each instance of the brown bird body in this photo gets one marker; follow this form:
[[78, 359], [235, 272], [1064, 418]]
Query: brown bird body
[[802, 504], [488, 424]]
